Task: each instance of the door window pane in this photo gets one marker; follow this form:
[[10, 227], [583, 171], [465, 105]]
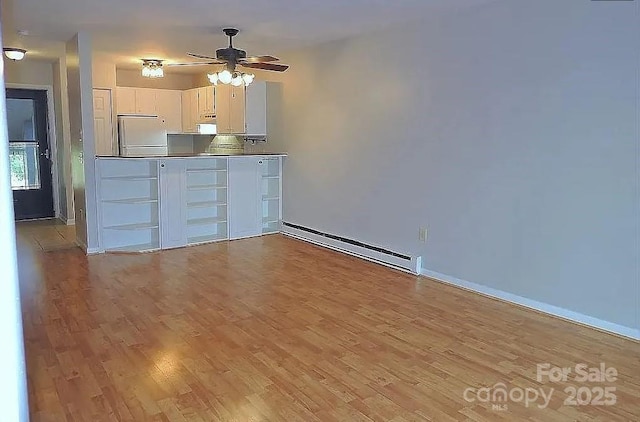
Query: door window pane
[[23, 157], [21, 120]]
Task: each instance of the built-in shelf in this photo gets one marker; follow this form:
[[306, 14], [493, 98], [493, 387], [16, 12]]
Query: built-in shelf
[[206, 239], [129, 178], [205, 170], [206, 187], [139, 226], [205, 221], [205, 204], [271, 196], [130, 201], [135, 248]]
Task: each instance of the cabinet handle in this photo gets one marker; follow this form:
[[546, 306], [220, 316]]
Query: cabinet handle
[[260, 162], [162, 165]]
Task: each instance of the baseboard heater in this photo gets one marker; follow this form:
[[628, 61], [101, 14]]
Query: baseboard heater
[[401, 261]]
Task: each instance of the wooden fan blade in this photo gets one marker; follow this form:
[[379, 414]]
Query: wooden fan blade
[[191, 64], [266, 66], [200, 56], [258, 59]]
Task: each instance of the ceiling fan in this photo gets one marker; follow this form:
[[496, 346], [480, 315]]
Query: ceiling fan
[[232, 57]]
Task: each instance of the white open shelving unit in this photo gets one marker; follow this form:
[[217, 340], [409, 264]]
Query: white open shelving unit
[[207, 216], [128, 205], [147, 204], [271, 195]]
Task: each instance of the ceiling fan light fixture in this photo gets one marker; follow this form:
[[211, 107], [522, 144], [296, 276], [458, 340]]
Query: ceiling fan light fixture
[[152, 68], [14, 54], [225, 76], [247, 78], [228, 78], [237, 79], [213, 78]]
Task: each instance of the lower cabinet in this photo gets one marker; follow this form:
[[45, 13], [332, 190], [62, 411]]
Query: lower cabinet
[[173, 212], [245, 200], [149, 204]]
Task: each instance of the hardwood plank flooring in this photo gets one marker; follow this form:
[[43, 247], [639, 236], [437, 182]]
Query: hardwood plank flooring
[[274, 329], [46, 235]]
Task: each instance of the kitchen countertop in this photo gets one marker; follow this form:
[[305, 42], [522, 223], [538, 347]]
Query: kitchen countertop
[[200, 155]]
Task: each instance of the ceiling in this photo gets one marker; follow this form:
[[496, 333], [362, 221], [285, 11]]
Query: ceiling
[[128, 30]]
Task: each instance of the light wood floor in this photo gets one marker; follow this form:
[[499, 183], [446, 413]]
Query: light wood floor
[[46, 235], [274, 329]]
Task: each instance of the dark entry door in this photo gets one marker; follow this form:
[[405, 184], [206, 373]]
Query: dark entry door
[[29, 153]]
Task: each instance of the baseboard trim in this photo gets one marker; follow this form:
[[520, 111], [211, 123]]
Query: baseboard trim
[[576, 317], [393, 259], [345, 251], [70, 221], [87, 250]]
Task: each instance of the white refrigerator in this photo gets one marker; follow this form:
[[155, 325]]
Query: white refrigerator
[[142, 136]]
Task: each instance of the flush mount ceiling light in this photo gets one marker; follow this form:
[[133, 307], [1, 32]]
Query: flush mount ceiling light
[[14, 53], [234, 78], [152, 68]]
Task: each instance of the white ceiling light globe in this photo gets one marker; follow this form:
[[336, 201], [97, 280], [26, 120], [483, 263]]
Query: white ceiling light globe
[[213, 78], [237, 80], [225, 76], [247, 78]]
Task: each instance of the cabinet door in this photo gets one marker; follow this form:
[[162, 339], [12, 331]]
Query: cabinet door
[[125, 100], [146, 101], [211, 99], [186, 111], [237, 105], [193, 100], [245, 204], [256, 108], [173, 204], [170, 109], [223, 109], [206, 100], [202, 101], [103, 122]]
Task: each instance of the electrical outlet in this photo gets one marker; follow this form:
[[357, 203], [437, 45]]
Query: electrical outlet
[[422, 234]]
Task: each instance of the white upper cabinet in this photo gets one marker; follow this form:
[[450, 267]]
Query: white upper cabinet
[[230, 109], [146, 101], [125, 100], [206, 102], [136, 101], [256, 108], [169, 103], [190, 110]]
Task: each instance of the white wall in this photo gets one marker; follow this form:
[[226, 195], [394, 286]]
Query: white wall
[[13, 380], [509, 131], [103, 72], [63, 138], [80, 90], [134, 78], [28, 72]]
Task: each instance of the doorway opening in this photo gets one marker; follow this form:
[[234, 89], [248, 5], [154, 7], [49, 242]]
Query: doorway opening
[[30, 154]]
